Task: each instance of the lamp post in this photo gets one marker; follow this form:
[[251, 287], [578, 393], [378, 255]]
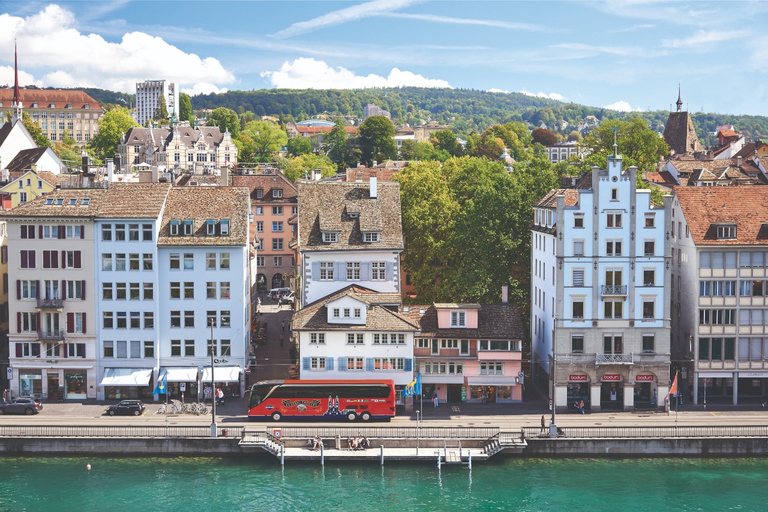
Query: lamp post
[[418, 430], [214, 430]]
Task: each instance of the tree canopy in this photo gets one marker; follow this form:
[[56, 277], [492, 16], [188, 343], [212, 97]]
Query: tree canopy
[[225, 119], [637, 144], [161, 111], [375, 139], [296, 168], [68, 151], [185, 108], [260, 141], [112, 125], [298, 146]]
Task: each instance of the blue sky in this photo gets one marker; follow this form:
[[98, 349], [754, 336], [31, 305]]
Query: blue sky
[[624, 54]]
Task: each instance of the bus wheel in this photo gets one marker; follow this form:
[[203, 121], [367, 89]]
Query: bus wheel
[[276, 416], [365, 416], [351, 416]]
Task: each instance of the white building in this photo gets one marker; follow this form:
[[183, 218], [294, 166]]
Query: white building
[[563, 151], [598, 285], [349, 233], [720, 293], [147, 95], [353, 334]]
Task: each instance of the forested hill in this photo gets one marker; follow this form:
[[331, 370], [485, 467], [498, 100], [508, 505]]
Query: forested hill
[[464, 110]]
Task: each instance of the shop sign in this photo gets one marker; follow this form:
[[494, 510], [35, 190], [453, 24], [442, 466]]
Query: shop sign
[[753, 375], [578, 378], [463, 393], [644, 378], [611, 377], [9, 371], [220, 361]]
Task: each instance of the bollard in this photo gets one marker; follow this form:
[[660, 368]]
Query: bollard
[[322, 454], [381, 451], [282, 455], [469, 458], [438, 460]]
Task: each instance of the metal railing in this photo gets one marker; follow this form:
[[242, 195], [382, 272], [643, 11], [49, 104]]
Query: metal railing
[[50, 303], [51, 335], [613, 359], [387, 432], [613, 289], [651, 432], [40, 431]]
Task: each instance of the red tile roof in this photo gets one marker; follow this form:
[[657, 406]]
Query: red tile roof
[[44, 98]]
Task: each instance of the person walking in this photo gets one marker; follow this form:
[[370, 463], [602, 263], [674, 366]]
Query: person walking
[[282, 325], [434, 398], [543, 424]]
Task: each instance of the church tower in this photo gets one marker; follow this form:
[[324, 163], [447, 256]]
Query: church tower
[[16, 106]]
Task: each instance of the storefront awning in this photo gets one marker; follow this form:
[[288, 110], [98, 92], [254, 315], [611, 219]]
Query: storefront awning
[[126, 377], [222, 374], [490, 381], [181, 374]]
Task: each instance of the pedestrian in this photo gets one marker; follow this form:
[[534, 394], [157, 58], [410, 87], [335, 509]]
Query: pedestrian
[[581, 406], [543, 424], [434, 398], [282, 325]]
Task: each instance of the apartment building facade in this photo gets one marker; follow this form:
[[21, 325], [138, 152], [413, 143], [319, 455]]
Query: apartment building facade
[[148, 94]]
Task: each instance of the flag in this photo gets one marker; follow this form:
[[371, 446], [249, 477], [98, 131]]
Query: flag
[[414, 388], [672, 388], [160, 389]]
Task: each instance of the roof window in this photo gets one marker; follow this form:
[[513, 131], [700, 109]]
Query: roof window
[[210, 227], [224, 227], [49, 201], [85, 201], [59, 201], [330, 236], [72, 201], [726, 232], [174, 227], [189, 226]]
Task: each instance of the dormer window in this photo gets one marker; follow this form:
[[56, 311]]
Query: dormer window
[[330, 237], [69, 105], [458, 319], [175, 227], [189, 226], [277, 193], [52, 105], [371, 236], [210, 227], [34, 105], [86, 106], [726, 232], [224, 227], [259, 193], [353, 215]]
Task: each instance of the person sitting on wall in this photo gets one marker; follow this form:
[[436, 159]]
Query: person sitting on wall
[[317, 443]]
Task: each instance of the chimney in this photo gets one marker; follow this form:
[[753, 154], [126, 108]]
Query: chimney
[[154, 174], [85, 162], [373, 163], [110, 170], [738, 161], [224, 176], [117, 161], [505, 294], [374, 188]]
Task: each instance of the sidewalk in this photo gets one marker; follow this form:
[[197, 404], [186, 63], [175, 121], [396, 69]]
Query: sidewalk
[[273, 359]]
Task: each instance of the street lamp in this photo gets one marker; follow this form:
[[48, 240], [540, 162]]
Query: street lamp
[[214, 431]]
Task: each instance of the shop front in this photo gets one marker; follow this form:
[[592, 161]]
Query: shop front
[[492, 391], [49, 382], [752, 387], [181, 382], [611, 392], [227, 379], [127, 383], [646, 394], [578, 391], [31, 383], [75, 384]]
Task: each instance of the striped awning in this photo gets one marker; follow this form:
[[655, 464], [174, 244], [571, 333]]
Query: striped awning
[[222, 374], [126, 377]]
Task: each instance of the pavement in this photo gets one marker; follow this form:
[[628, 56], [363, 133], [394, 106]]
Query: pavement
[[273, 357]]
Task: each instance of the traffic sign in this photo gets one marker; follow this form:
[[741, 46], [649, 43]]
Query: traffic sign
[[247, 371]]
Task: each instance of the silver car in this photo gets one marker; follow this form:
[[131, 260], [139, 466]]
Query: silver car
[[21, 405]]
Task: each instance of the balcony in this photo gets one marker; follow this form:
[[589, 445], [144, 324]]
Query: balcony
[[50, 303], [613, 290], [50, 335], [613, 359]]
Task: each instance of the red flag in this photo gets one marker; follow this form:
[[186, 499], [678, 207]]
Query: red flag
[[672, 388]]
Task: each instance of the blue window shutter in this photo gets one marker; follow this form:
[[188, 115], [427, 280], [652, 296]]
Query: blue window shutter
[[340, 273], [409, 365], [315, 270], [305, 363], [329, 363], [369, 364], [365, 271], [390, 271], [342, 364]]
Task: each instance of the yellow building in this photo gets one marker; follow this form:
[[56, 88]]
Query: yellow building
[[28, 186]]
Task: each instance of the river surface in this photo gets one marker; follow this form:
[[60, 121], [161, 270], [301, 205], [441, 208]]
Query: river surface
[[213, 484]]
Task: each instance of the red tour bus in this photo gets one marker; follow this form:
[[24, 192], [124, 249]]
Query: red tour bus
[[322, 399]]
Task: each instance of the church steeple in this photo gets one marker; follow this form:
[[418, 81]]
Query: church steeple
[[16, 103], [679, 100]]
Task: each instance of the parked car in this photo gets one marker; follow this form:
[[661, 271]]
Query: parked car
[[21, 405], [277, 293], [134, 407], [289, 298]]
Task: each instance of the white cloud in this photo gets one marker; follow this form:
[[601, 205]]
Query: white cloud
[[204, 88], [622, 106], [551, 95], [306, 73], [49, 43], [356, 12], [464, 21], [704, 37], [498, 90], [25, 79]]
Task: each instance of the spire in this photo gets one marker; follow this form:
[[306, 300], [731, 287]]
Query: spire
[[679, 100], [16, 103]]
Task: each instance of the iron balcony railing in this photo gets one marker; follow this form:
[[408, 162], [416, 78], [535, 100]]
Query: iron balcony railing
[[613, 359], [51, 335], [50, 303], [613, 289]]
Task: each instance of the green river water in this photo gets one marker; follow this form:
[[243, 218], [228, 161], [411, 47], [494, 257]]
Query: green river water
[[213, 484]]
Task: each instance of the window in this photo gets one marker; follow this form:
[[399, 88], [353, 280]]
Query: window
[[649, 277], [28, 289], [277, 226], [259, 193], [370, 237], [189, 319], [120, 232], [355, 363], [277, 244], [133, 261], [648, 343], [378, 271], [259, 210], [174, 227], [277, 210], [613, 220], [224, 290], [188, 227], [491, 368], [122, 320], [29, 322], [613, 248], [134, 291], [649, 248], [189, 348], [357, 312], [135, 320], [175, 318], [649, 307], [317, 338], [317, 363], [578, 247], [27, 259], [51, 259], [261, 261], [224, 261], [133, 232], [146, 232], [650, 219], [189, 290], [226, 348], [330, 237], [277, 193], [577, 307], [577, 343], [210, 290], [225, 317], [717, 349], [326, 271], [189, 261], [458, 319], [388, 363], [277, 261], [578, 277], [175, 261], [210, 261], [260, 226], [613, 308], [498, 345], [726, 231], [149, 291], [346, 312], [119, 261], [336, 312], [613, 344], [147, 261], [578, 220], [210, 227], [210, 318], [120, 291], [149, 320], [353, 271], [175, 347], [109, 349], [106, 232], [175, 290]]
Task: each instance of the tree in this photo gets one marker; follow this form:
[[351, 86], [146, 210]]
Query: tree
[[637, 144], [112, 125], [161, 111], [543, 136], [334, 143], [418, 151], [446, 140], [575, 135], [68, 151], [297, 167], [225, 119], [298, 146], [376, 142], [261, 140], [185, 108]]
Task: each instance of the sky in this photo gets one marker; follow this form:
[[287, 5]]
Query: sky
[[620, 54]]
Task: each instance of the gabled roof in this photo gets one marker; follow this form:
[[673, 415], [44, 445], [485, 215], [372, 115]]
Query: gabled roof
[[364, 174], [706, 207], [134, 200], [5, 130], [314, 316], [44, 98], [326, 206], [266, 182], [206, 203], [26, 158], [494, 321], [679, 133], [550, 198], [38, 207]]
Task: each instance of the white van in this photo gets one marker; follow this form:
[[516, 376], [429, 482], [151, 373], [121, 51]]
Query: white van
[[277, 293]]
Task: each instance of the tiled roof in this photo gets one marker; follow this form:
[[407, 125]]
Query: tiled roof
[[705, 207], [44, 97], [747, 151], [495, 321], [135, 200], [266, 182], [5, 130], [679, 133], [38, 208], [325, 206], [661, 178], [204, 203], [351, 130], [364, 174], [728, 133], [550, 198], [189, 135], [314, 316], [26, 158]]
